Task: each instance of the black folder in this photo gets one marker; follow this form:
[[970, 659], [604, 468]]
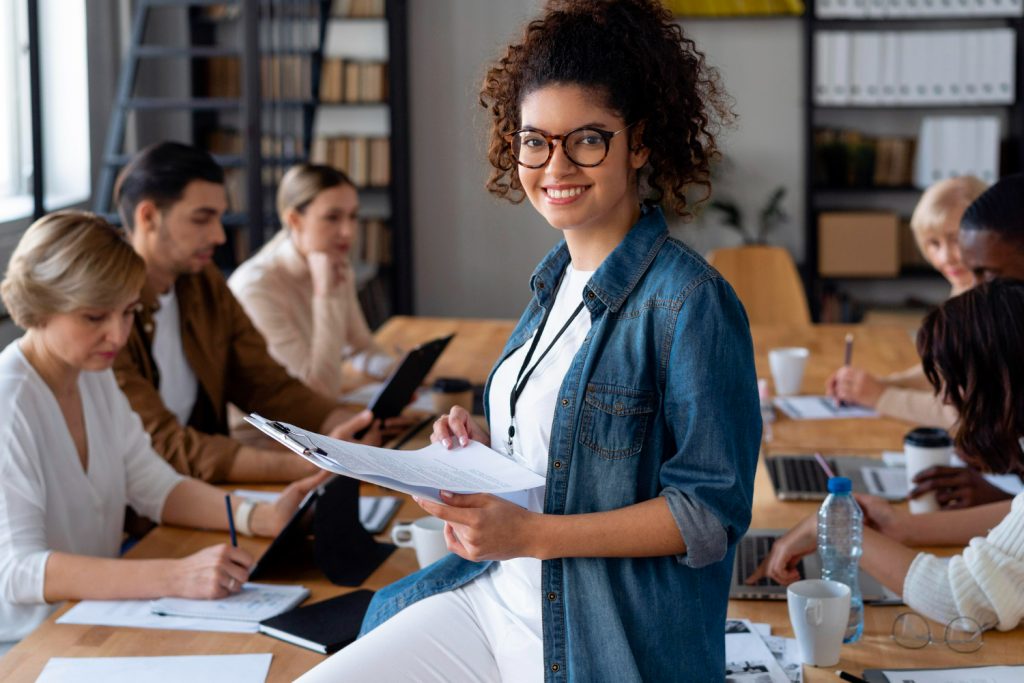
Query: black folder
[[323, 627]]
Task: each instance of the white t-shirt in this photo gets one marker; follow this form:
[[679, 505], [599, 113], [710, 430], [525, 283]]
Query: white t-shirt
[[177, 380], [514, 586], [47, 501]]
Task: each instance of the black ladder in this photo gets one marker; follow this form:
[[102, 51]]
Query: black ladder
[[259, 38]]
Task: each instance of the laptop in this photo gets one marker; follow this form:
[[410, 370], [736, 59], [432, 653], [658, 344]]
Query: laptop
[[800, 477], [755, 546]]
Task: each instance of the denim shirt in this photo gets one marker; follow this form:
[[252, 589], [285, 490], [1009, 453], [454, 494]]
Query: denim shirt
[[660, 400]]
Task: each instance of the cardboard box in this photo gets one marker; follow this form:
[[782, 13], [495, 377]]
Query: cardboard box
[[858, 244]]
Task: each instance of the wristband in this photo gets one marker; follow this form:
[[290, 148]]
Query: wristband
[[243, 517]]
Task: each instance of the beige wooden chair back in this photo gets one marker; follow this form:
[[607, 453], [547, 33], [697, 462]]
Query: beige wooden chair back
[[766, 281]]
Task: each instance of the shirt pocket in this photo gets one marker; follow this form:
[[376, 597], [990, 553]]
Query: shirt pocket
[[614, 420]]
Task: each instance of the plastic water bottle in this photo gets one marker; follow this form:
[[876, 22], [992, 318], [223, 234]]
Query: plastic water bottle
[[840, 538]]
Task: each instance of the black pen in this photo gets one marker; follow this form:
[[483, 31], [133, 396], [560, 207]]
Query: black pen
[[850, 677], [231, 521]]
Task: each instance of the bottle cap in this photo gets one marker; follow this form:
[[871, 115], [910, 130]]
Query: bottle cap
[[928, 437], [839, 485]]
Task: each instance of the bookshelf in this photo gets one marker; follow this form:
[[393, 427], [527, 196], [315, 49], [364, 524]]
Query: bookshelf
[[863, 147], [333, 81], [265, 95], [362, 127]]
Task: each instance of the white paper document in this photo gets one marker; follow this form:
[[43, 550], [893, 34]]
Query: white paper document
[[819, 408], [888, 482], [980, 674], [249, 668], [424, 473], [138, 614], [747, 658], [254, 603]]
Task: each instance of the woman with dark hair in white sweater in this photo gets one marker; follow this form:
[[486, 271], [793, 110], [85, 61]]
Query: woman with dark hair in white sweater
[[970, 350]]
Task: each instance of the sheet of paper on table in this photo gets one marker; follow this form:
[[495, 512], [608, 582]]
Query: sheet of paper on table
[[471, 469], [254, 603], [747, 657], [248, 668], [138, 614], [819, 408], [976, 674]]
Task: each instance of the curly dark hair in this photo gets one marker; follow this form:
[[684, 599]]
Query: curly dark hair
[[970, 351], [637, 57]]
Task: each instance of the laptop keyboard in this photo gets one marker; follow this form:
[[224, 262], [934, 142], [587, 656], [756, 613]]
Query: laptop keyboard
[[751, 551], [801, 474]]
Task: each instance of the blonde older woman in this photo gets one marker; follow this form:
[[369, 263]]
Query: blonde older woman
[[300, 290], [72, 452], [907, 395]]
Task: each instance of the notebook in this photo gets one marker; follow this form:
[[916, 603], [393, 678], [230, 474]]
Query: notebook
[[323, 627], [255, 602], [800, 477], [755, 546]]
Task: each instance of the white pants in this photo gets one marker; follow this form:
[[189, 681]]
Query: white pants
[[448, 637]]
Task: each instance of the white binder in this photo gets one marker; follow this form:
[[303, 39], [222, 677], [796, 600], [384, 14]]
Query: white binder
[[840, 67], [866, 72]]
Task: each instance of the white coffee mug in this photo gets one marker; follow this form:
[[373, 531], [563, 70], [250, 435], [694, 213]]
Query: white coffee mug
[[426, 535], [925, 447], [787, 366], [819, 610]]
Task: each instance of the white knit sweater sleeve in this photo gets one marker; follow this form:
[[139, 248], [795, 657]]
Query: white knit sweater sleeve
[[985, 581]]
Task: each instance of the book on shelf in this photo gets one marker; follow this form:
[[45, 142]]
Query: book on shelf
[[915, 67], [224, 77], [375, 246], [846, 158], [366, 161], [908, 9], [350, 81], [286, 77], [357, 8]]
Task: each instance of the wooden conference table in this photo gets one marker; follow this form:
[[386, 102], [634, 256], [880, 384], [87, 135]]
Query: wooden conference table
[[476, 345]]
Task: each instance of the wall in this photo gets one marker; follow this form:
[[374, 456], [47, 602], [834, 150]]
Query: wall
[[474, 254]]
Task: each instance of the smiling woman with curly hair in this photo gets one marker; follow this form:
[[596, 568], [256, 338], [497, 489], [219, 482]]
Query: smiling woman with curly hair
[[628, 385]]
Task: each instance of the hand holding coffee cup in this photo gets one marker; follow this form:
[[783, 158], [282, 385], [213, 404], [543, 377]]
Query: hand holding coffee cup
[[819, 610], [425, 535], [787, 366], [925, 447]]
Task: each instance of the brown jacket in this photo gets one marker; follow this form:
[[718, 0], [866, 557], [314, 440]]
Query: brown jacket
[[231, 364]]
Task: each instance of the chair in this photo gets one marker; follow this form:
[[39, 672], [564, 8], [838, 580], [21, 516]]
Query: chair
[[766, 281]]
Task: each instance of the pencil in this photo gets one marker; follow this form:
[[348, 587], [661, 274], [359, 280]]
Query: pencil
[[847, 357], [231, 520], [850, 677], [824, 465]]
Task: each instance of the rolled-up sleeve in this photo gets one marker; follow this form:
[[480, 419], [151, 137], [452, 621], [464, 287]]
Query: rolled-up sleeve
[[714, 416], [984, 582]]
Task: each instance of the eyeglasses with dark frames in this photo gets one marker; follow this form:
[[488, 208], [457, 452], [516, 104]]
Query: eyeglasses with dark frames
[[586, 146]]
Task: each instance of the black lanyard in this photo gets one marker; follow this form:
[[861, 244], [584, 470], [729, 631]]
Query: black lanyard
[[521, 378]]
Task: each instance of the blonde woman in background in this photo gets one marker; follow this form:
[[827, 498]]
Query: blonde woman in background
[[907, 395], [300, 289], [73, 455]]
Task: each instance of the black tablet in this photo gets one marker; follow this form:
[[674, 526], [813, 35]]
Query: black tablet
[[293, 541], [407, 378]]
